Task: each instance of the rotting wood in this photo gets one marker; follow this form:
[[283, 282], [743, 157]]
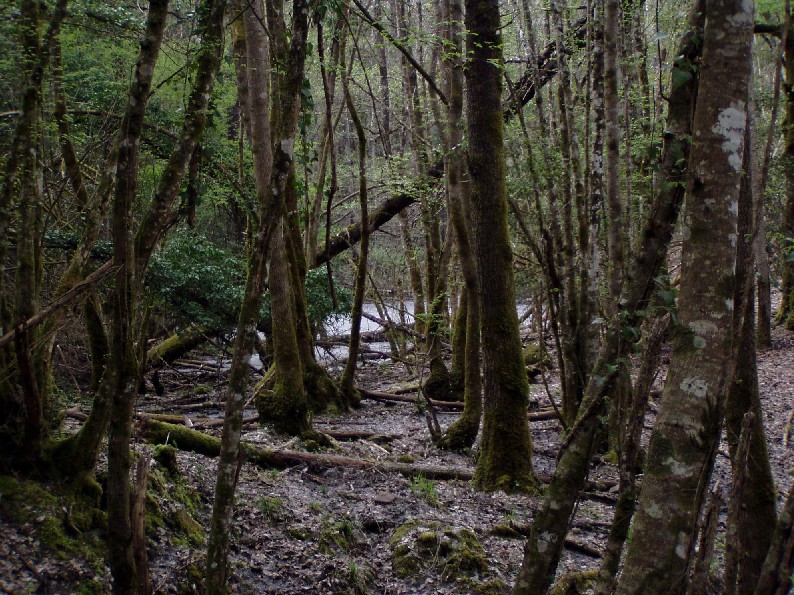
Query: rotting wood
[[156, 432], [570, 544]]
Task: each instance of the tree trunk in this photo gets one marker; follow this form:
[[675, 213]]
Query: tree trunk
[[544, 547], [347, 381], [254, 86], [786, 313], [272, 152], [122, 371], [466, 346], [684, 441], [506, 450], [753, 494]]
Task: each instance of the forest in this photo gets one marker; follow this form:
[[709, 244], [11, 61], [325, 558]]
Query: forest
[[413, 296]]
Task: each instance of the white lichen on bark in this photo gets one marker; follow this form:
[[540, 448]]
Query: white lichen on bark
[[731, 124]]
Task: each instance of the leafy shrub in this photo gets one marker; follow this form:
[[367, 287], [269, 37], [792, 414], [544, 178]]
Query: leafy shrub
[[199, 282]]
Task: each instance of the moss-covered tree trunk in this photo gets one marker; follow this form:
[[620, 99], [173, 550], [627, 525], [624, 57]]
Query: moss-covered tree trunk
[[24, 367], [466, 338], [121, 376], [544, 546], [506, 449], [29, 190], [254, 94], [285, 404], [685, 438]]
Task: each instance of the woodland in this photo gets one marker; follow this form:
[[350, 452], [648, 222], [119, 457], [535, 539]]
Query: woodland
[[416, 296]]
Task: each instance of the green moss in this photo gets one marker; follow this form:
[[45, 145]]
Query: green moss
[[494, 586], [194, 579], [574, 582], [165, 455], [171, 502], [91, 587], [454, 552], [158, 432], [187, 525], [406, 459], [426, 488], [437, 385], [611, 457], [299, 533], [61, 520], [337, 534], [153, 514], [273, 509], [287, 414], [202, 389], [535, 356]]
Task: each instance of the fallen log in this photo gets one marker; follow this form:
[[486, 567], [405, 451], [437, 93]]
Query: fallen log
[[156, 432], [392, 397], [513, 530], [178, 345]]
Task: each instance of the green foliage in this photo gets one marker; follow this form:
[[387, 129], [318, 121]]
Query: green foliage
[[340, 534], [272, 508], [426, 488], [201, 283], [197, 281]]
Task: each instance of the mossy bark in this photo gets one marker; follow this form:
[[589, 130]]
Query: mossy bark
[[457, 368], [178, 345], [685, 438], [506, 450], [465, 379], [776, 571], [121, 375], [285, 405]]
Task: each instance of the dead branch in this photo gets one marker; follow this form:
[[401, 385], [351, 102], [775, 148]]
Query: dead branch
[[156, 432], [381, 396]]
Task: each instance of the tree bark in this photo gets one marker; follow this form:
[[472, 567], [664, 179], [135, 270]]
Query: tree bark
[[786, 313], [506, 450], [254, 85], [462, 433], [684, 441], [122, 372], [347, 381], [753, 495]]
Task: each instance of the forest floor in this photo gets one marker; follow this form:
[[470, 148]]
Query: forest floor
[[309, 529]]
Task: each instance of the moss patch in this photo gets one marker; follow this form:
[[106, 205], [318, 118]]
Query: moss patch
[[165, 455], [64, 523], [453, 552], [170, 502]]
